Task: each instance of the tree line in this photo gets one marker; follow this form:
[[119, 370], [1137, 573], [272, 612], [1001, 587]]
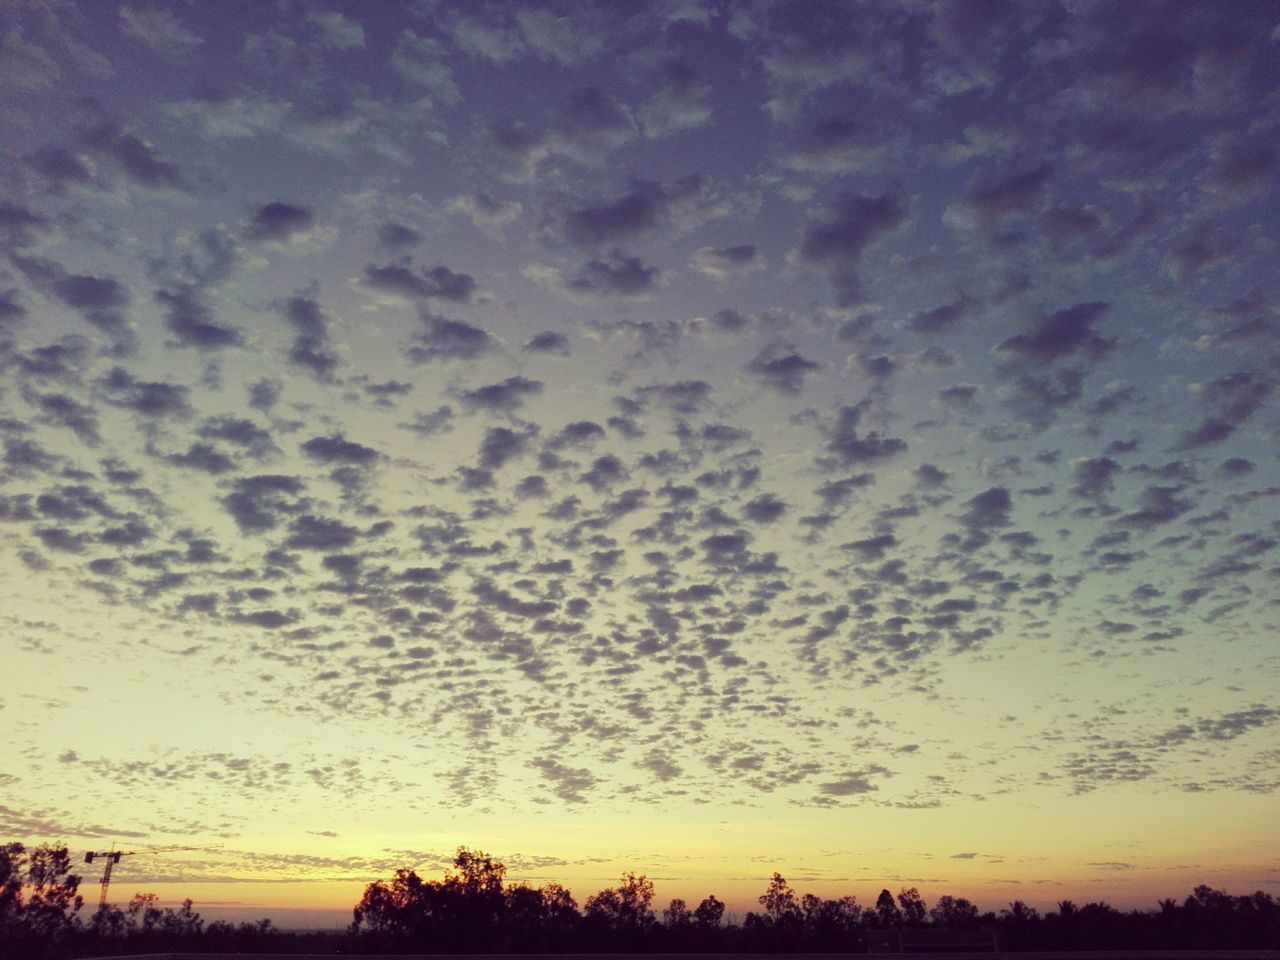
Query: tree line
[[473, 909]]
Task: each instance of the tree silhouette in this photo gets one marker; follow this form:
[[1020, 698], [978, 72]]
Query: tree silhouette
[[955, 913], [471, 909], [622, 914], [780, 903], [677, 916], [709, 913], [912, 906], [46, 917], [832, 925], [887, 912]]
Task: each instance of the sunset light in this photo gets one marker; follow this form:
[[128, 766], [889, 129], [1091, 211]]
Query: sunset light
[[692, 439]]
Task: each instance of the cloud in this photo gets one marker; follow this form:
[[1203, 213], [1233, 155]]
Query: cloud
[[44, 821], [1065, 333], [339, 450], [203, 457], [680, 99], [941, 318], [148, 398], [835, 145], [138, 159], [847, 445], [396, 235], [59, 166], [239, 432], [477, 380], [102, 301], [871, 548], [500, 445], [423, 61], [548, 342], [988, 510], [311, 348], [614, 276], [852, 223], [426, 424], [766, 508], [310, 532], [723, 263], [160, 30], [438, 283], [1014, 195], [487, 213], [568, 783], [682, 396], [1093, 477], [190, 320], [220, 116], [445, 339], [504, 397], [647, 205], [782, 370], [337, 31], [855, 782], [65, 411], [279, 222], [258, 503], [1234, 398]]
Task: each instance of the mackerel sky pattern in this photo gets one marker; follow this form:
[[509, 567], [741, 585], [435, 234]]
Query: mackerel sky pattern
[[438, 418]]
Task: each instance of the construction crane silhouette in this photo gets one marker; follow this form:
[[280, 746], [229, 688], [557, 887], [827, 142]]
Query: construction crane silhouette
[[111, 857]]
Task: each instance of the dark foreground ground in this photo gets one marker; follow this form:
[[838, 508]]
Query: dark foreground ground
[[1046, 955]]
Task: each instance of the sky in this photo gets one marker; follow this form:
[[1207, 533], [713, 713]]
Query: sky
[[691, 437]]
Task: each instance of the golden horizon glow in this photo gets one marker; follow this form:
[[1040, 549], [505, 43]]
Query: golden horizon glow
[[696, 438]]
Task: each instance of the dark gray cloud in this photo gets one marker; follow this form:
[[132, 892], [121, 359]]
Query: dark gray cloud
[[848, 445], [620, 219], [781, 369], [501, 444], [257, 503], [941, 318], [1016, 194], [63, 410], [239, 432], [204, 457], [138, 159], [309, 532], [149, 398], [444, 339], [988, 509], [852, 223], [684, 396], [436, 283], [311, 348], [548, 342], [11, 309], [1064, 333], [279, 222], [1093, 477], [616, 275], [398, 235], [505, 397], [191, 321], [1233, 398], [59, 166], [338, 450]]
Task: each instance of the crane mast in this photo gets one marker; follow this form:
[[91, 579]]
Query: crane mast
[[111, 857]]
